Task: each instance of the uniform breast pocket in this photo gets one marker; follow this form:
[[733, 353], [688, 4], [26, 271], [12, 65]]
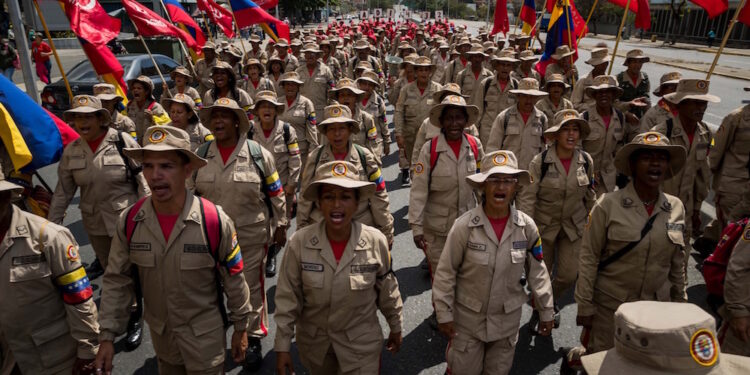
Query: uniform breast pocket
[[312, 275], [361, 281], [536, 129], [299, 113], [30, 282], [279, 148], [249, 188], [196, 257], [144, 259], [113, 166], [517, 255], [581, 177], [320, 80], [513, 130], [478, 256]]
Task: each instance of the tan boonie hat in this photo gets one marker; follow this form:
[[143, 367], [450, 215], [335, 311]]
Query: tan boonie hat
[[290, 77], [338, 173], [106, 92], [504, 56], [345, 84], [233, 51], [221, 65], [254, 38], [363, 65], [636, 54], [181, 99], [144, 80], [599, 56], [528, 86], [463, 41], [671, 78], [338, 114], [405, 45], [453, 101], [209, 46], [267, 96], [282, 43], [312, 48], [423, 61], [361, 44], [183, 71], [165, 138], [409, 60], [527, 55], [651, 141], [664, 338], [87, 104], [476, 49], [254, 62], [498, 162], [296, 43], [6, 185], [449, 88], [562, 52], [556, 78], [275, 59], [604, 82], [369, 76], [567, 116], [695, 89], [226, 103]]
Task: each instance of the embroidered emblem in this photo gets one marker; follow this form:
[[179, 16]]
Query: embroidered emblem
[[418, 168], [339, 169], [500, 159], [703, 348], [157, 136], [71, 252], [313, 267], [652, 138]]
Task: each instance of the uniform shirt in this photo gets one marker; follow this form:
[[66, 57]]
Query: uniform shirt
[[244, 100], [301, 115], [491, 99], [291, 63], [731, 150], [428, 131], [262, 84], [455, 67], [260, 55], [560, 200], [48, 317], [286, 154], [395, 89], [316, 85], [199, 135], [633, 90], [372, 60], [555, 69], [375, 107], [186, 297], [737, 282], [413, 107], [189, 91], [654, 116], [654, 270], [105, 191], [374, 211], [143, 121], [438, 196], [469, 81], [334, 65], [325, 303], [518, 74], [368, 135], [476, 283], [550, 109], [203, 72], [581, 101], [525, 139], [123, 123], [441, 65], [602, 144], [276, 84]]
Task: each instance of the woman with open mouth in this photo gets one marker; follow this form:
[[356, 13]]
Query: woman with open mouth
[[184, 115], [477, 290], [334, 276], [226, 86]]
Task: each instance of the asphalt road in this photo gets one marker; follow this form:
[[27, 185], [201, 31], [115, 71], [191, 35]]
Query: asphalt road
[[423, 349]]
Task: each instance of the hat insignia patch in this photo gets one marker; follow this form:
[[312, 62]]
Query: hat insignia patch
[[703, 348], [500, 159], [702, 85], [651, 138], [335, 112], [339, 170], [157, 136], [223, 101], [83, 100]]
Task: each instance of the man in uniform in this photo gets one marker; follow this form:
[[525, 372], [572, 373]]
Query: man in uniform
[[282, 50], [48, 318], [663, 110], [363, 50], [563, 65], [735, 332], [255, 51], [526, 68], [333, 64], [317, 78], [635, 84], [470, 77], [143, 109], [493, 94], [441, 59], [600, 61], [203, 68], [111, 101], [458, 64], [175, 237]]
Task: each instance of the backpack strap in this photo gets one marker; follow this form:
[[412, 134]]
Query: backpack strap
[[433, 153], [474, 148], [487, 85], [130, 222], [670, 127], [272, 184], [545, 166], [130, 171], [291, 147], [506, 119], [203, 149], [585, 115], [621, 117], [362, 157], [630, 246], [211, 226]]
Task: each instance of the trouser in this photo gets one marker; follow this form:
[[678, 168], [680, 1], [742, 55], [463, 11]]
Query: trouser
[[602, 333], [101, 245], [467, 355], [726, 202], [404, 156], [254, 268], [435, 245], [369, 364], [180, 351], [730, 343], [559, 247]]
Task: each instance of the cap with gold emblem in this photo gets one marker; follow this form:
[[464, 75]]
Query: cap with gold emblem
[[338, 173], [695, 89], [226, 103], [498, 162], [338, 114], [87, 104], [166, 138], [567, 116], [453, 101], [651, 141]]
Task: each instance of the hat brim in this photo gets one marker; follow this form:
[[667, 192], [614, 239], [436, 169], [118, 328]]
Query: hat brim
[[476, 53], [642, 58], [174, 73], [438, 109], [279, 106], [677, 157], [657, 92], [137, 153], [495, 59], [546, 84], [677, 97], [290, 80], [311, 51], [476, 181], [532, 58], [206, 114], [559, 57], [598, 61], [532, 92], [366, 189], [583, 125], [109, 97], [592, 89], [355, 90], [68, 115], [167, 102], [6, 185], [217, 68], [611, 362], [353, 125], [368, 80], [246, 68]]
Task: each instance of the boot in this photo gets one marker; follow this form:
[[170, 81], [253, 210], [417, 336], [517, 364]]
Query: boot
[[556, 316], [253, 355], [94, 270], [432, 321], [405, 178], [135, 332], [271, 262]]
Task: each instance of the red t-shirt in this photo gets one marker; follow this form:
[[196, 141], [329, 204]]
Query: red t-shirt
[[267, 133], [633, 77], [225, 152], [289, 102], [525, 116], [650, 208], [37, 49], [503, 85], [566, 164], [340, 156], [338, 248], [499, 226], [455, 146], [311, 71], [421, 91], [607, 120], [167, 222], [690, 135], [96, 142], [463, 61], [476, 75], [364, 102], [255, 84]]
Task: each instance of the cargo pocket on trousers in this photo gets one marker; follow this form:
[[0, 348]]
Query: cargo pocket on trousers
[[54, 343]]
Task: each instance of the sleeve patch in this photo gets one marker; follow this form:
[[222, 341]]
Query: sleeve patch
[[75, 286], [536, 251], [273, 185], [71, 252], [377, 178]]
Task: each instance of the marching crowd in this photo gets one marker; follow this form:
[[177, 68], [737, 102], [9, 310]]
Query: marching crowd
[[523, 186]]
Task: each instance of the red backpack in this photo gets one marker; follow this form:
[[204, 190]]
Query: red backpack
[[715, 266]]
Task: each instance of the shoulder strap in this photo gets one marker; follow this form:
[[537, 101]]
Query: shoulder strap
[[151, 106], [256, 152], [630, 246], [545, 166], [130, 222], [670, 126], [473, 144], [586, 115], [211, 226], [130, 171], [433, 153], [506, 119], [487, 85], [621, 117], [287, 133], [203, 149], [362, 157]]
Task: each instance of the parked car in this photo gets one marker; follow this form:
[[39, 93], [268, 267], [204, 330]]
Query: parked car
[[82, 78]]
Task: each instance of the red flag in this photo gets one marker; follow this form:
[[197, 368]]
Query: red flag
[[643, 15], [501, 18], [744, 16], [712, 7], [90, 21], [219, 15], [149, 23], [623, 3], [267, 4]]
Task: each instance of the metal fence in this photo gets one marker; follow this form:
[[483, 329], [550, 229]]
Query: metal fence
[[695, 25]]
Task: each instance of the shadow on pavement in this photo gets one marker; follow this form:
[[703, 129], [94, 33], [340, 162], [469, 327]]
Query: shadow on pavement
[[401, 221], [412, 281], [423, 348], [533, 353]]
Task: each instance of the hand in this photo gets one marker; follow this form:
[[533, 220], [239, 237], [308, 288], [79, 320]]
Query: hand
[[394, 342], [639, 102], [83, 366], [104, 357], [545, 328], [447, 329], [386, 146], [631, 119], [584, 321], [239, 346], [400, 141], [420, 242], [165, 87], [149, 117], [279, 237], [741, 327], [283, 363]]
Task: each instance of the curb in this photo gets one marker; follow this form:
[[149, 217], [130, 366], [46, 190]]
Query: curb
[[656, 45]]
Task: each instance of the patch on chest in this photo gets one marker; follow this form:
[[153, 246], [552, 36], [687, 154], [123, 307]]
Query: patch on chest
[[675, 227], [312, 267], [627, 202], [195, 248], [476, 246], [364, 268], [520, 244], [28, 259], [140, 246]]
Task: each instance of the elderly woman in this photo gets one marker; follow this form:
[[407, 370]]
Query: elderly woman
[[633, 246], [274, 71], [476, 291], [256, 82], [182, 78], [340, 257], [109, 184], [184, 115], [338, 128], [226, 86], [347, 93], [560, 197], [241, 176], [299, 111]]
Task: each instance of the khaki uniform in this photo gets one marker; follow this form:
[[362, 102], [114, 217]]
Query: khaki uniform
[[375, 107], [412, 108], [602, 144], [438, 196], [427, 131], [179, 287], [334, 66], [260, 55], [580, 100], [469, 82], [199, 135], [143, 121], [374, 211], [455, 67], [691, 183], [276, 84], [123, 123], [372, 60], [316, 86], [286, 155], [524, 139], [331, 308], [477, 287], [189, 91], [368, 134], [302, 116], [395, 89], [105, 190], [244, 100], [491, 102], [203, 72], [342, 58], [291, 63], [263, 84], [237, 186], [441, 66], [737, 295], [518, 74], [633, 90], [652, 271], [654, 116], [48, 317], [555, 69], [729, 160], [550, 109], [558, 203]]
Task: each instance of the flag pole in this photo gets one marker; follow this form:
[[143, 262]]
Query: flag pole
[[208, 27], [537, 25], [152, 58], [726, 37], [570, 39], [619, 35], [188, 56], [591, 12], [239, 32], [54, 51], [515, 26]]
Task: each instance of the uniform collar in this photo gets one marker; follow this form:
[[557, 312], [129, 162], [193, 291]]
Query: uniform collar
[[480, 219], [630, 199], [19, 225], [190, 212]]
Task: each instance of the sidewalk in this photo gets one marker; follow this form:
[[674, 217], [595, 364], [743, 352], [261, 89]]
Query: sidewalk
[[685, 46]]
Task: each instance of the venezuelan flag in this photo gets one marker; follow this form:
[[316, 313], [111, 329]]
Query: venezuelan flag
[[75, 286], [233, 261], [377, 178], [528, 16], [19, 153], [180, 16], [561, 18], [247, 13], [273, 185], [312, 120], [536, 251]]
